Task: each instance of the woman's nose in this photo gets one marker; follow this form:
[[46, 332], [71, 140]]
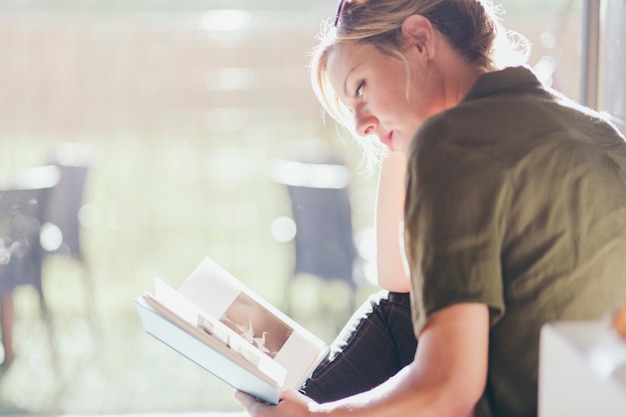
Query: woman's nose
[[365, 123]]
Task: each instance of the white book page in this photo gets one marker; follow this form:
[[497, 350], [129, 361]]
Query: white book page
[[211, 288], [206, 352], [175, 302], [190, 313], [216, 291]]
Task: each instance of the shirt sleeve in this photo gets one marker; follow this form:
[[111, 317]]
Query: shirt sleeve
[[453, 221]]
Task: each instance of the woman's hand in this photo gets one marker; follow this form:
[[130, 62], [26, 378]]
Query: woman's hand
[[292, 403]]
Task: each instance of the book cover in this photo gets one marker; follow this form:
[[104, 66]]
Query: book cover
[[216, 321]]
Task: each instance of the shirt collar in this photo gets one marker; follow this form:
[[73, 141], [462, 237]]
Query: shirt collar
[[511, 78]]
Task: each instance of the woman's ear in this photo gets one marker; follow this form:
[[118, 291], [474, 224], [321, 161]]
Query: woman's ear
[[419, 33]]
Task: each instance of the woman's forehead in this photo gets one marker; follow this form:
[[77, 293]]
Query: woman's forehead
[[350, 53], [342, 59]]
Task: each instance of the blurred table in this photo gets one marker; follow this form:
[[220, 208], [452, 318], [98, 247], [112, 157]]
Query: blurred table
[[582, 370]]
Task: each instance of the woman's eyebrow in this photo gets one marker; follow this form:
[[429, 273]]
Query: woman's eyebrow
[[345, 81]]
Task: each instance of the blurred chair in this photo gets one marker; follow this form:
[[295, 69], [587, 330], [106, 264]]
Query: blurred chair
[[21, 197], [320, 204], [40, 219], [60, 227]]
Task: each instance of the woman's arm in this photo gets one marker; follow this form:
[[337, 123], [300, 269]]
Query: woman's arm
[[391, 270], [447, 377]]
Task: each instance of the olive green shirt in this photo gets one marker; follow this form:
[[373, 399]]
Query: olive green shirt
[[516, 199]]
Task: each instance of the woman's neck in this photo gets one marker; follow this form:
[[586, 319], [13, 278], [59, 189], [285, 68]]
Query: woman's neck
[[458, 74]]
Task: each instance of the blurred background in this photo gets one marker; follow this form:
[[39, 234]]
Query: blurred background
[[175, 120]]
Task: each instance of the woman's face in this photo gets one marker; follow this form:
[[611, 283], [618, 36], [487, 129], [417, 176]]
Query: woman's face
[[375, 88]]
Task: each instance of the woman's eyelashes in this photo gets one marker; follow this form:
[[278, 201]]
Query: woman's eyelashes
[[360, 90]]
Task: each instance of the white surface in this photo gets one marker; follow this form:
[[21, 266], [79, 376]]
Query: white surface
[[581, 371]]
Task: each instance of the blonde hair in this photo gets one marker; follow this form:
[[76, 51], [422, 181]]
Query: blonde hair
[[471, 27]]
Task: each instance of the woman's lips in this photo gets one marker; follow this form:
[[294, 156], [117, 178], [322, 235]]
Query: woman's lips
[[387, 140]]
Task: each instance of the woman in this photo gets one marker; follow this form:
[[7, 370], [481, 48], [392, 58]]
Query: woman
[[515, 210]]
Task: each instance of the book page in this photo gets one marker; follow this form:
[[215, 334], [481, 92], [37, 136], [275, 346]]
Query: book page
[[177, 307], [217, 292], [214, 290], [175, 302], [235, 368], [211, 288], [257, 325]]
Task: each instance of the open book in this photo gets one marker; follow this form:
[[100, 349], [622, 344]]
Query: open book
[[220, 324]]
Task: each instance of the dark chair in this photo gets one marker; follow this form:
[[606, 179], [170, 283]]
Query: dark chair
[[61, 210], [38, 223], [320, 206], [323, 243], [21, 204], [60, 231]]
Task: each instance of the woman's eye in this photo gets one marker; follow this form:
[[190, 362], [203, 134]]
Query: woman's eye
[[359, 89]]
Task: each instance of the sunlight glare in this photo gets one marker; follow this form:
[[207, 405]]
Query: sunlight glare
[[225, 20], [284, 229], [50, 237]]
